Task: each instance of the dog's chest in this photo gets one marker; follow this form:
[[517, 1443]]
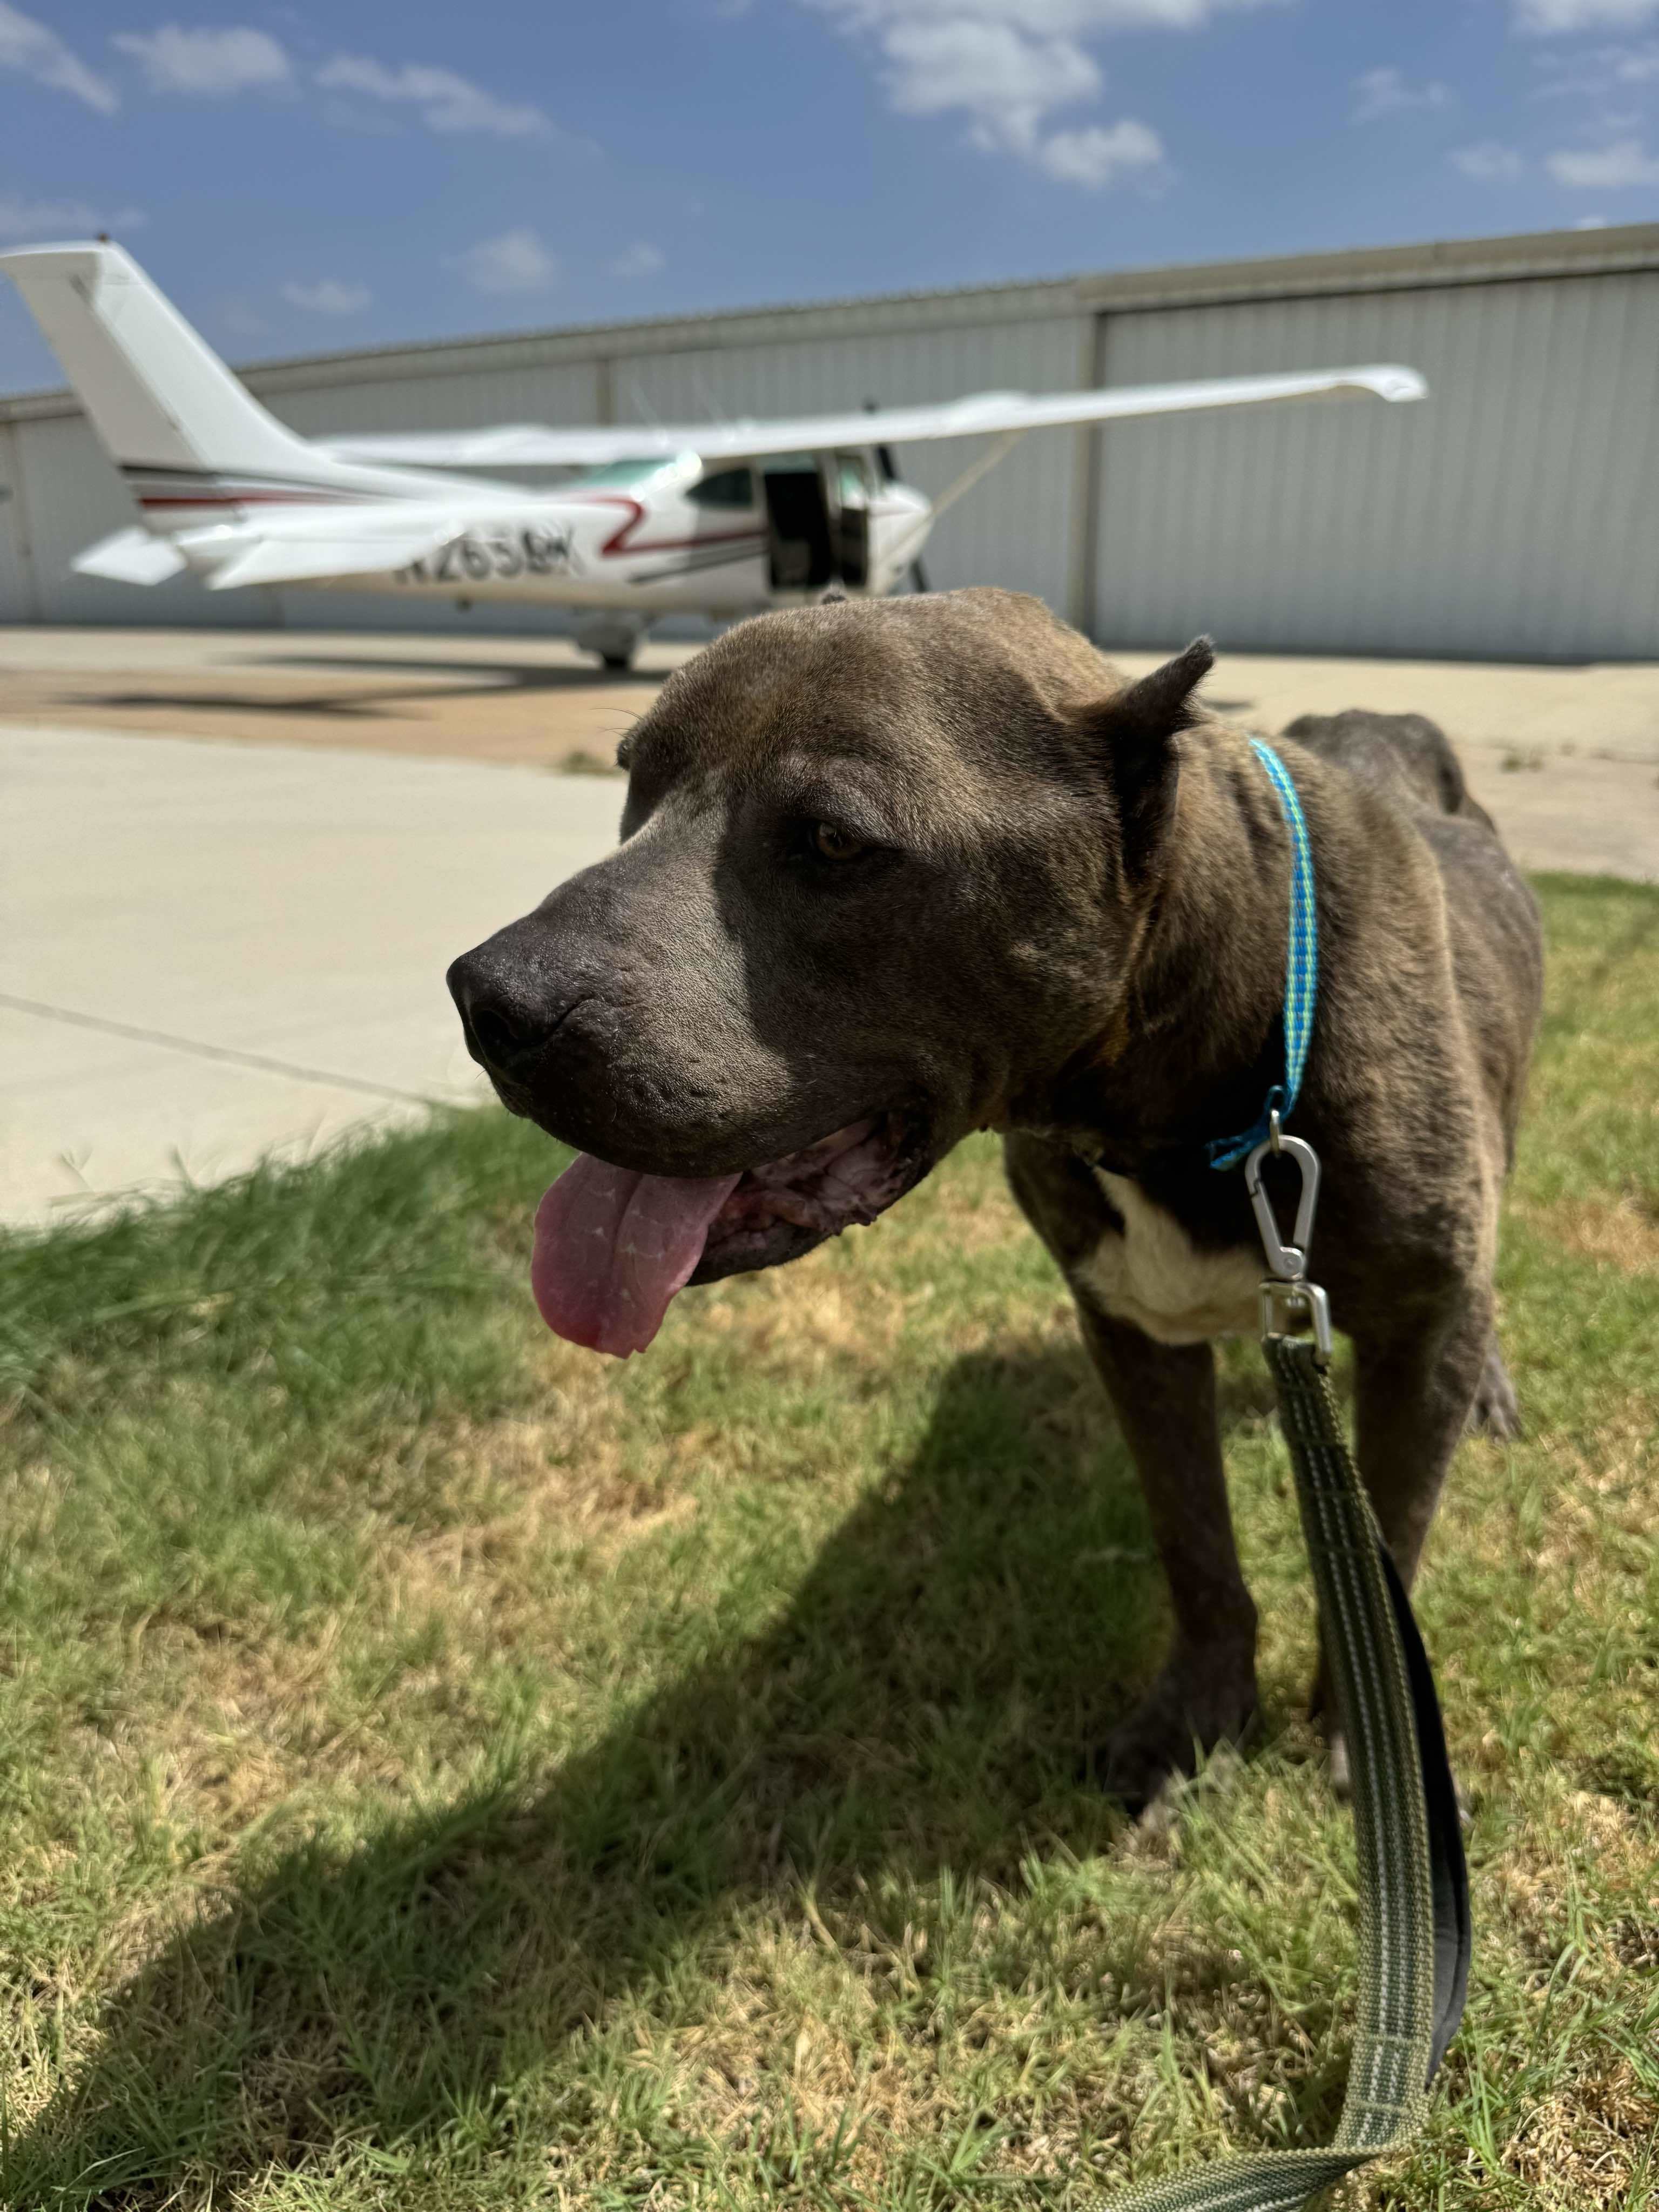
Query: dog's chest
[[1151, 1273]]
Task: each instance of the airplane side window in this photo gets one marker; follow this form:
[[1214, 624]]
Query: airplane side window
[[728, 488]]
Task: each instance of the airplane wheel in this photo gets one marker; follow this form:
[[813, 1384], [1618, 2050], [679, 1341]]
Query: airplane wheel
[[612, 638]]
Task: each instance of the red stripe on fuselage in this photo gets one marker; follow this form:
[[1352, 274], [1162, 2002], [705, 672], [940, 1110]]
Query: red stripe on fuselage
[[617, 543]]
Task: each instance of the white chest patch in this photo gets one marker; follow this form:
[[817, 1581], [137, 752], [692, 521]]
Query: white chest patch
[[1154, 1275]]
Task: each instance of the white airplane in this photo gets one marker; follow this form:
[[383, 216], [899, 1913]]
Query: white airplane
[[716, 519]]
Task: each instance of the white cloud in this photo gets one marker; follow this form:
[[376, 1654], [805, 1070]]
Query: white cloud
[[1604, 168], [1005, 81], [1488, 162], [328, 296], [1591, 222], [61, 219], [1547, 18], [1007, 66], [445, 101], [31, 48], [517, 261], [640, 259], [987, 60], [1380, 92], [1094, 155], [206, 63]]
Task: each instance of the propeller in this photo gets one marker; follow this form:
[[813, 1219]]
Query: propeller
[[890, 474]]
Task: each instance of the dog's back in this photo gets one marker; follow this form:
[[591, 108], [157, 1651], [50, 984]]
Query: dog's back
[[1491, 916], [1406, 755]]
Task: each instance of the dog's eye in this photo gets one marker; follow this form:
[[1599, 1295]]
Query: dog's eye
[[625, 752], [831, 842]]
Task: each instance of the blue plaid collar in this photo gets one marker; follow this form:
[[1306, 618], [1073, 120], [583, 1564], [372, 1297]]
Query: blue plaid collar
[[1301, 972]]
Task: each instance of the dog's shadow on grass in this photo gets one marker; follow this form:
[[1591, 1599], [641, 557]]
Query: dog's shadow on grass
[[921, 1704]]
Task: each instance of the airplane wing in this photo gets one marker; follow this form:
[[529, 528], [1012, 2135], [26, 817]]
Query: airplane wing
[[987, 414]]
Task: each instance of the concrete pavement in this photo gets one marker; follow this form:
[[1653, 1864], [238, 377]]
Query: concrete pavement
[[211, 951]]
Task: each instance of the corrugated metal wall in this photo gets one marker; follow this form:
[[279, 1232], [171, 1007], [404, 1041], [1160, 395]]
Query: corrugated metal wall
[[1515, 516], [18, 601]]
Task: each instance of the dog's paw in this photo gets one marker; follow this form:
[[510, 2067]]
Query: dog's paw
[[1496, 1410], [1184, 1715]]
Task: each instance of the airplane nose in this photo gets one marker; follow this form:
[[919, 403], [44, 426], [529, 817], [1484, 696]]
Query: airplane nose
[[504, 1027]]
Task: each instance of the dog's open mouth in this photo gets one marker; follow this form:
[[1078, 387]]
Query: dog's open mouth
[[612, 1247]]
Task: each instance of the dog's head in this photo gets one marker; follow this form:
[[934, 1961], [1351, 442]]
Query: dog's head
[[881, 866]]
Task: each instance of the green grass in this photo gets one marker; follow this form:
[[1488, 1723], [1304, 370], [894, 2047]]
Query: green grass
[[441, 1770]]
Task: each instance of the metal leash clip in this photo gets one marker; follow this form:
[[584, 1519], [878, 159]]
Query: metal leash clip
[[1288, 1298]]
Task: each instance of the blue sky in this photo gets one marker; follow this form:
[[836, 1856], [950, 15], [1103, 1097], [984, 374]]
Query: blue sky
[[302, 178]]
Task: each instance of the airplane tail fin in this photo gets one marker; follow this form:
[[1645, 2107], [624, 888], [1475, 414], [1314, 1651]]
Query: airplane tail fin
[[184, 433]]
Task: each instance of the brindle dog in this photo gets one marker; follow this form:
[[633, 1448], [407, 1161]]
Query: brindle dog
[[891, 871]]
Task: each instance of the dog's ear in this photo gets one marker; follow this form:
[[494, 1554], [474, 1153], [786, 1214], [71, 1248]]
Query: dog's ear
[[1161, 703], [1136, 731]]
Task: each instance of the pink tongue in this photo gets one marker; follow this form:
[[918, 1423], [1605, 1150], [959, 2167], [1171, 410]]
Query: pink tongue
[[612, 1248]]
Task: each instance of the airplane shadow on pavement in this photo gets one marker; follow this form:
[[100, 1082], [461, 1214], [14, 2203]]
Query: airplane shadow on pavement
[[486, 675], [921, 1704], [443, 680]]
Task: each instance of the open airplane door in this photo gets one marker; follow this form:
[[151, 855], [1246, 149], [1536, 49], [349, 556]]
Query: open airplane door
[[800, 545], [817, 517]]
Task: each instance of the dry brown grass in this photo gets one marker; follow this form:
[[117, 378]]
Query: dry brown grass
[[1622, 1232]]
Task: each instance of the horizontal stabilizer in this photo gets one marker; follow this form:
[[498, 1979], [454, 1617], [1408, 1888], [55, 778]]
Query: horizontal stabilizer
[[130, 556], [987, 414], [334, 544]]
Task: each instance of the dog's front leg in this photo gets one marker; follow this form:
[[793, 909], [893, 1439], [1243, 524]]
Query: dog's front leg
[[1165, 1399]]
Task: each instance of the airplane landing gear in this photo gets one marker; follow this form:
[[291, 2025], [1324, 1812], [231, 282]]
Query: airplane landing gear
[[614, 638]]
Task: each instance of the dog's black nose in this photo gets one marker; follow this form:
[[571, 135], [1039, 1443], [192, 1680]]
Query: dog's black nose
[[503, 1025]]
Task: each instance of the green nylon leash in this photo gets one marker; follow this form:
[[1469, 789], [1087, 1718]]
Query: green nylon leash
[[1414, 1930], [1414, 1936]]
